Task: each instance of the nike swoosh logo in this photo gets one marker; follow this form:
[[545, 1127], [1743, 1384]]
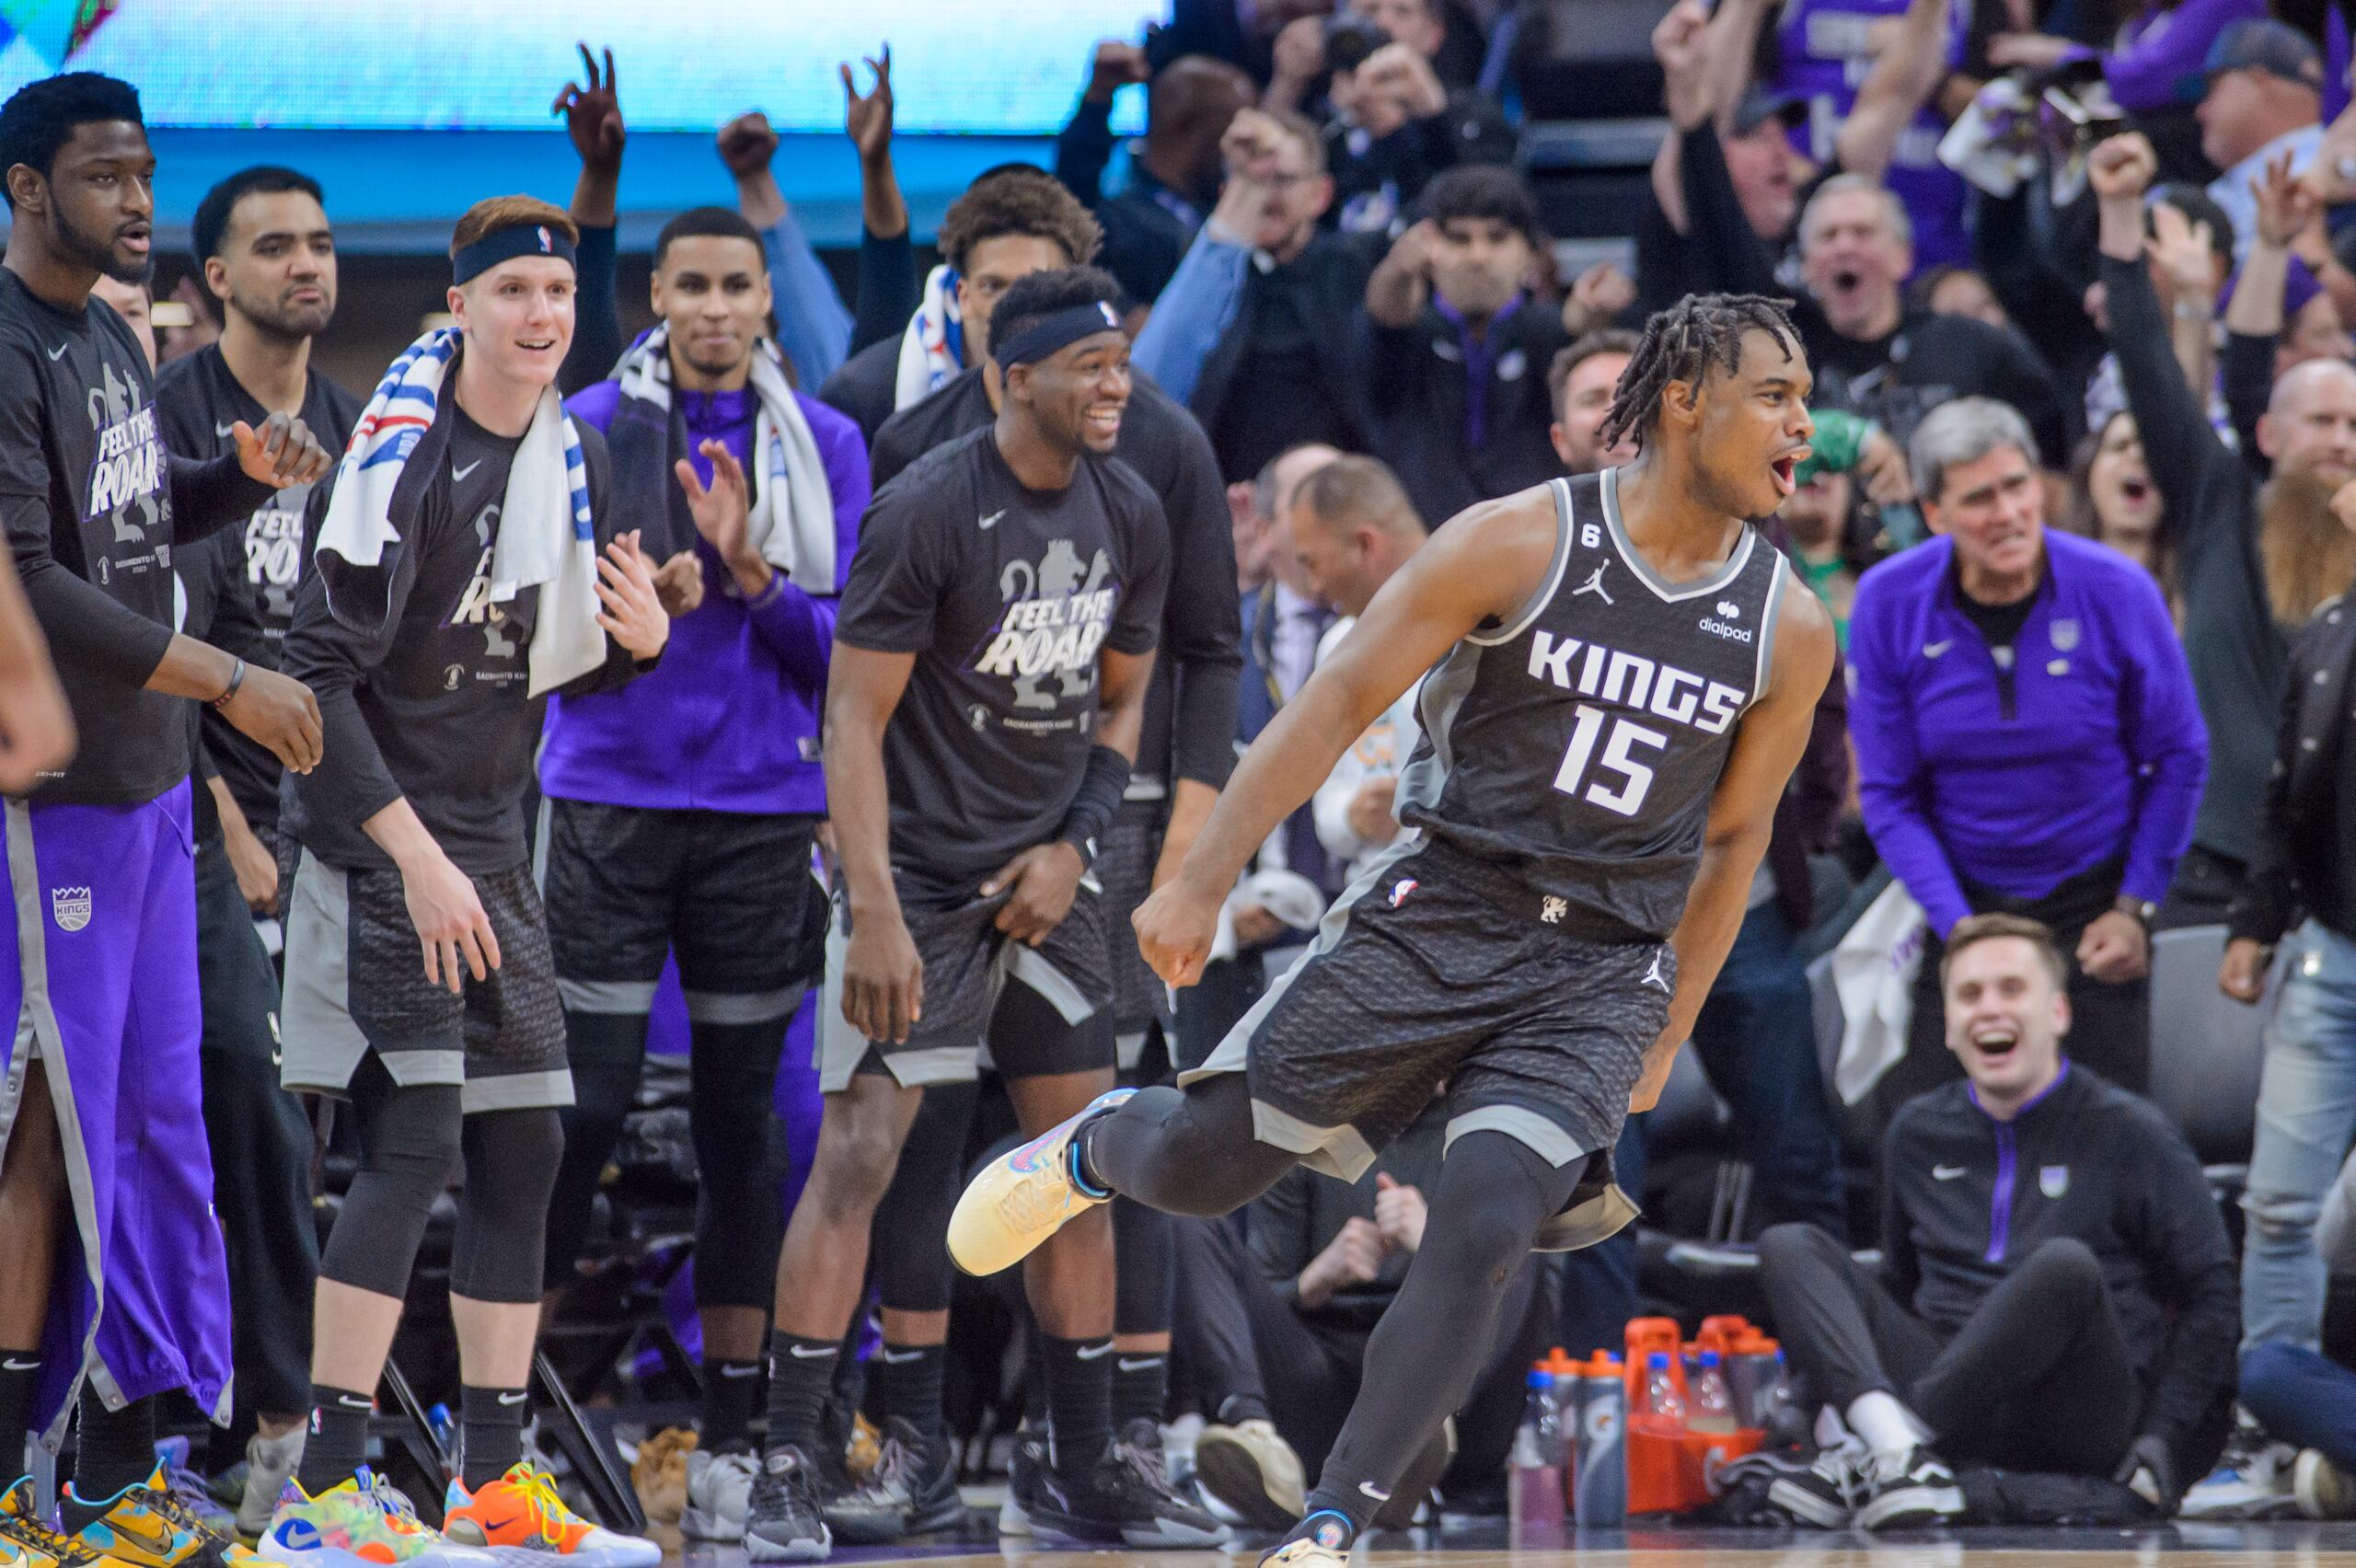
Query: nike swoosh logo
[[1945, 1173], [803, 1354], [158, 1539], [518, 1397], [59, 352], [752, 1370], [224, 432], [348, 1402], [13, 1365], [458, 473], [903, 1360], [1933, 650], [1125, 1365], [991, 521], [1094, 1352]]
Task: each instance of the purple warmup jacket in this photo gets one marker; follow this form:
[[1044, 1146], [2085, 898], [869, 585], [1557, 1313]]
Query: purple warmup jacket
[[728, 721], [2099, 755]]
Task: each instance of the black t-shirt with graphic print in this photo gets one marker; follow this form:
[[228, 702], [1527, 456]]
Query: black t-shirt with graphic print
[[200, 402], [94, 505], [1007, 597]]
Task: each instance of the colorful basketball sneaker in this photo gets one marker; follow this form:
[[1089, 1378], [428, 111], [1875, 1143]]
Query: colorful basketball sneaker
[[521, 1512], [363, 1521], [148, 1527], [28, 1543], [1023, 1197]]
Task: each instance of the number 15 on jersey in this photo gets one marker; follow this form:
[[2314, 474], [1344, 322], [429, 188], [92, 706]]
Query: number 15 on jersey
[[1584, 774]]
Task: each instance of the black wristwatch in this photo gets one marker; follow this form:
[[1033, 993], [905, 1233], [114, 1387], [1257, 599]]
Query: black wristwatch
[[2143, 909]]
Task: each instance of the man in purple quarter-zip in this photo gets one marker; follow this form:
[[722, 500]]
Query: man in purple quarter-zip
[[2056, 1293], [681, 810], [2027, 737]]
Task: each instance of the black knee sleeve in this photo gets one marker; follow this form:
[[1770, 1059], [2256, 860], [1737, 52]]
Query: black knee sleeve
[[512, 1158], [607, 1053], [408, 1143], [1142, 1242], [732, 1120], [911, 1236], [1188, 1151]]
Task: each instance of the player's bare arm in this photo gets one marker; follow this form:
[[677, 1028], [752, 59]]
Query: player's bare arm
[[883, 976], [1480, 568], [1767, 746], [1045, 876]]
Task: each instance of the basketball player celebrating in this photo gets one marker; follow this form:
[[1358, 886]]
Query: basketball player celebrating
[[457, 580], [1624, 684], [102, 1122], [991, 657], [262, 242]]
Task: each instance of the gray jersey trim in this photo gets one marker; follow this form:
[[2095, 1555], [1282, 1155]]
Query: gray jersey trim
[[1445, 689], [741, 1007], [1669, 592], [1024, 964], [549, 1089], [1767, 619], [1537, 603], [622, 998]]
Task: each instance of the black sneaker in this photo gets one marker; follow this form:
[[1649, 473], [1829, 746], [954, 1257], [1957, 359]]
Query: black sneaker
[[1023, 1471], [912, 1490], [1909, 1490], [1815, 1492], [1162, 1518], [1118, 1500], [787, 1520]]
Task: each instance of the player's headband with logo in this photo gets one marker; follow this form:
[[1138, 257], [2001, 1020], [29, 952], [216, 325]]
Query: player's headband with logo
[[505, 245], [1052, 334]]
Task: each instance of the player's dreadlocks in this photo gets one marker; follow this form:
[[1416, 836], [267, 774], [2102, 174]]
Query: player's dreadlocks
[[1681, 344]]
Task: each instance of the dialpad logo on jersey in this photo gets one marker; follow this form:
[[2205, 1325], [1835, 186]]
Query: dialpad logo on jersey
[[1057, 616], [1662, 690], [129, 469], [70, 907]]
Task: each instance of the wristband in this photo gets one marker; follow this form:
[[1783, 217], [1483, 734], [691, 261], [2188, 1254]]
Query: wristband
[[236, 679], [1102, 784]]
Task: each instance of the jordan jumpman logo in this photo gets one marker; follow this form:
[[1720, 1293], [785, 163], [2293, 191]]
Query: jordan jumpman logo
[[1594, 584]]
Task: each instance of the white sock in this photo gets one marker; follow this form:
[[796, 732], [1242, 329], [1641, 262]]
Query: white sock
[[1888, 1427]]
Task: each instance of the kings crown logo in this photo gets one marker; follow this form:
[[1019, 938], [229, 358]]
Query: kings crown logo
[[70, 906]]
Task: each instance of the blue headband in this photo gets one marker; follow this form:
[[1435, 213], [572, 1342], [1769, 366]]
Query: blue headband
[[505, 245], [1052, 334]]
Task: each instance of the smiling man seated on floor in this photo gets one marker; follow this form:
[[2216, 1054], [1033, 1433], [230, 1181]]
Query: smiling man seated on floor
[[2057, 1292]]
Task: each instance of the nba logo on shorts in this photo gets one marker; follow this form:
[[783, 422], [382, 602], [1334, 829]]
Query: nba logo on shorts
[[2053, 1181], [70, 906]]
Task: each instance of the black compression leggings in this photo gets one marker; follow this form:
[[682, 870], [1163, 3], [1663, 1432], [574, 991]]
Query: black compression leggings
[[409, 1141], [1188, 1151]]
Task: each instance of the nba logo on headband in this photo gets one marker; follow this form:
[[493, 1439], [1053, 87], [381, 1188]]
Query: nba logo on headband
[[1110, 319], [546, 244]]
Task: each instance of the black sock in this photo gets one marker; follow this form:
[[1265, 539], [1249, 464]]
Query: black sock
[[490, 1431], [1079, 1399], [114, 1448], [801, 1371], [20, 1369], [338, 1444], [911, 1375], [1140, 1386], [729, 1387], [1329, 1523], [1237, 1409]]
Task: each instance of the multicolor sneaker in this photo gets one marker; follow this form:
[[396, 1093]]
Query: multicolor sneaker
[[150, 1527], [1023, 1198], [171, 1456], [521, 1513], [363, 1521], [28, 1543]]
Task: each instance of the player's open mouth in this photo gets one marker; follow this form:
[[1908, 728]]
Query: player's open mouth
[[137, 238], [2134, 491], [1104, 419], [1786, 472], [536, 345], [1994, 1044]]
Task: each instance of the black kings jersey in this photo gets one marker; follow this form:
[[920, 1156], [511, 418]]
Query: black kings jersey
[[1579, 745]]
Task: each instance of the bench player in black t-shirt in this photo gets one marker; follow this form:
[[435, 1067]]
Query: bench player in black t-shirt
[[983, 710], [1619, 688], [128, 1300], [265, 250]]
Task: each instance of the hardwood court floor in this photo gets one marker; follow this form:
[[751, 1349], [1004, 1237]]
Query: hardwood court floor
[[2213, 1546]]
